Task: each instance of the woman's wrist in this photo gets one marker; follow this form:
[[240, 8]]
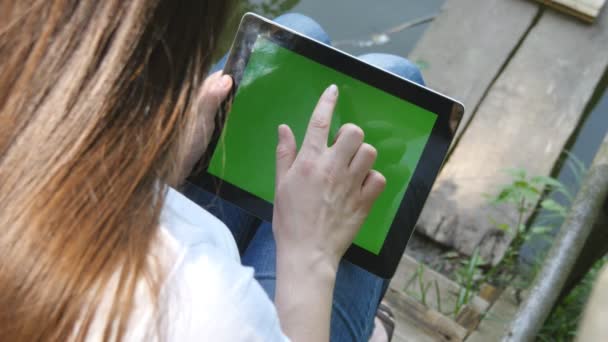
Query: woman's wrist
[[309, 262], [304, 293]]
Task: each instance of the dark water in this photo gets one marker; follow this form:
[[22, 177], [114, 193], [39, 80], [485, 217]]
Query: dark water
[[360, 26]]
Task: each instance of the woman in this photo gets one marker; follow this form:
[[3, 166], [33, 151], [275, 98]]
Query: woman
[[102, 107]]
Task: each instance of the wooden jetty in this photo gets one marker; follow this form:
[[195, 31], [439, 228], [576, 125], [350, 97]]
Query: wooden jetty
[[433, 319], [580, 243], [586, 10], [526, 75]]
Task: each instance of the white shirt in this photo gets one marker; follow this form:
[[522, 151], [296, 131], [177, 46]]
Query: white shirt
[[217, 297], [210, 295]]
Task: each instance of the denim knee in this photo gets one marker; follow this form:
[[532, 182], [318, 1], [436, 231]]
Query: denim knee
[[295, 21], [395, 64], [304, 25]]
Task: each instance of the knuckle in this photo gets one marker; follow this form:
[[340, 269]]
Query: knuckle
[[330, 178], [370, 151], [361, 206], [320, 123], [282, 151], [313, 148], [354, 131], [306, 167], [330, 175], [378, 179], [359, 202]]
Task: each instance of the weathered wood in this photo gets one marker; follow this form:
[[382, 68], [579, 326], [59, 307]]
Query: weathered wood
[[408, 330], [497, 319], [564, 252], [596, 245], [468, 318], [593, 326], [466, 45], [525, 121], [436, 325], [489, 293], [405, 280], [595, 248], [586, 10]]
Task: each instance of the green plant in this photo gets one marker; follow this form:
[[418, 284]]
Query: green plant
[[422, 287], [575, 165], [563, 322], [527, 195], [468, 276], [438, 296], [523, 193]]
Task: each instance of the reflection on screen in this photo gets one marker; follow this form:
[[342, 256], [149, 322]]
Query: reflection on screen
[[281, 86]]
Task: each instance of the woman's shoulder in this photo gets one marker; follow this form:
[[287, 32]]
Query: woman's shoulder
[[217, 298], [209, 293], [193, 228]]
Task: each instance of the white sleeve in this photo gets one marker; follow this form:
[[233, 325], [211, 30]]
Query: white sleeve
[[210, 295], [214, 298]]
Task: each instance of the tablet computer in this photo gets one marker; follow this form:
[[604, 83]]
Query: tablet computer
[[279, 76]]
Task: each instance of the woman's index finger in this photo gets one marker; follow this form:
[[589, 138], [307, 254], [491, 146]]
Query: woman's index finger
[[317, 132]]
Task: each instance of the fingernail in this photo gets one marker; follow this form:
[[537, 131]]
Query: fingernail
[[332, 90], [226, 81], [280, 130]]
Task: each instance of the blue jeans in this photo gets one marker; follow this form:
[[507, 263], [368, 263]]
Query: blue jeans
[[357, 292]]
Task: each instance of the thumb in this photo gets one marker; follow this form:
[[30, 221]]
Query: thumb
[[286, 151], [215, 90]]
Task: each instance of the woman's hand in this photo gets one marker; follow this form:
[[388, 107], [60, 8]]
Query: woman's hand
[[323, 194], [213, 92]]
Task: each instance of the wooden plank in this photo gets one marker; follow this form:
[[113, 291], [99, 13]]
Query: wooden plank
[[586, 10], [489, 293], [431, 322], [593, 326], [496, 320], [405, 280], [408, 330], [466, 45], [595, 246], [525, 121], [468, 318], [577, 228]]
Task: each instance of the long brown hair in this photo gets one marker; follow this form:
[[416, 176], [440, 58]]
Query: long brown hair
[[95, 99]]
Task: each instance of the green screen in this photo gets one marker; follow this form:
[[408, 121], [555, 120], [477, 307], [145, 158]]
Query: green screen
[[281, 86]]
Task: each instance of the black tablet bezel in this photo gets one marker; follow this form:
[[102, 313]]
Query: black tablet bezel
[[448, 111]]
